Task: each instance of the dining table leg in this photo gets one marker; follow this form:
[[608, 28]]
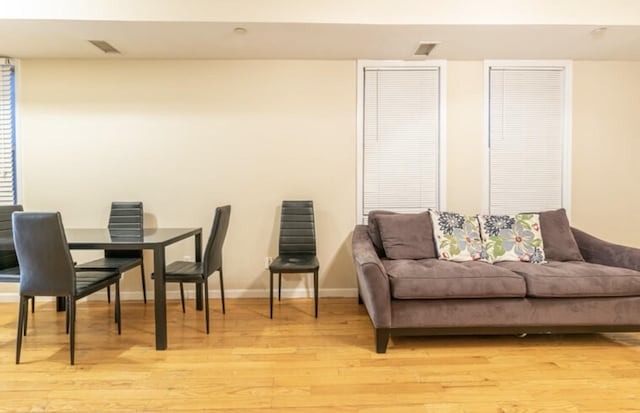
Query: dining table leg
[[160, 295], [199, 293], [198, 252]]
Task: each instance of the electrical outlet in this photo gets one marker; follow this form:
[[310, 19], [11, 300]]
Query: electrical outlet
[[187, 258], [267, 262]]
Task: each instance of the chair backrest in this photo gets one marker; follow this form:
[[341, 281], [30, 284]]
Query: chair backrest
[[125, 222], [8, 256], [126, 216], [297, 229], [213, 251], [46, 266]]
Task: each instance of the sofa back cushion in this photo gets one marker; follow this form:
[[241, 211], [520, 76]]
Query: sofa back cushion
[[457, 237], [374, 230], [559, 243], [513, 238], [407, 236]]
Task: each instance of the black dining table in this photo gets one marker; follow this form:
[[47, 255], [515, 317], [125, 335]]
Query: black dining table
[[155, 239]]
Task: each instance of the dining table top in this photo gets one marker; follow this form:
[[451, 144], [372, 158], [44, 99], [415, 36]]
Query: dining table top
[[103, 237]]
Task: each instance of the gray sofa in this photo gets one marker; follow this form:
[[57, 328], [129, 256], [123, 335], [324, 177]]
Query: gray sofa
[[587, 285]]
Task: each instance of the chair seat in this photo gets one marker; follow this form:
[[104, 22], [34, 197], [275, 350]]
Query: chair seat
[[10, 274], [294, 263], [122, 264], [184, 271], [88, 282]]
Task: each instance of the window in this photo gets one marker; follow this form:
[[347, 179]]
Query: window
[[528, 132], [8, 194], [401, 133]]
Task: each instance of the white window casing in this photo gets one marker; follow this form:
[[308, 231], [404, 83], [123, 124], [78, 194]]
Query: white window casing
[[401, 130], [7, 133], [528, 136]]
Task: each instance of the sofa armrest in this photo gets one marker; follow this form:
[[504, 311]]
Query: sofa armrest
[[373, 282], [598, 251]]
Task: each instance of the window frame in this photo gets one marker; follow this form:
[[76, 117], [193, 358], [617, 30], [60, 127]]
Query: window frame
[[567, 66], [15, 63], [441, 65]]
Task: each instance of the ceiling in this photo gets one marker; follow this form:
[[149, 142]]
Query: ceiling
[[327, 29], [217, 40]]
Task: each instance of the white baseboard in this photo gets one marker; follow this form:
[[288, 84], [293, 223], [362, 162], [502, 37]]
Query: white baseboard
[[9, 297]]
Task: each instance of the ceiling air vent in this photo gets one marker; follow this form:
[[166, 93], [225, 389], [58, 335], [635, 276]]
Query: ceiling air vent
[[104, 46], [424, 48]]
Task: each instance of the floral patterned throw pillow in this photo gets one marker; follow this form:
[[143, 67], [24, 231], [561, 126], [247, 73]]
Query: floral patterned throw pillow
[[512, 237], [457, 237]]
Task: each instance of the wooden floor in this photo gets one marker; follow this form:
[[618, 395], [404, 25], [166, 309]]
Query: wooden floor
[[295, 363]]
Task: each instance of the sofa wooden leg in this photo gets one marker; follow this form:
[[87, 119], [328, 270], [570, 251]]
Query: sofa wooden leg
[[382, 339]]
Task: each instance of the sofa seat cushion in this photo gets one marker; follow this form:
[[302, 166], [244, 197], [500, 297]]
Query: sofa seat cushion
[[437, 279], [576, 279]]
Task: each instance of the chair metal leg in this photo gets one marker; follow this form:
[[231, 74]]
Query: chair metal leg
[[117, 311], [72, 330], [26, 316], [182, 297], [279, 285], [270, 294], [33, 304], [22, 313], [206, 301], [144, 286], [108, 293], [315, 290], [222, 290]]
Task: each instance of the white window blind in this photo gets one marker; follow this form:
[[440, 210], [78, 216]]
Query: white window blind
[[7, 133], [526, 139], [401, 132]]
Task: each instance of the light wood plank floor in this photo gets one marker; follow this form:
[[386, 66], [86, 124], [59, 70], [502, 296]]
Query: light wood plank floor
[[295, 363]]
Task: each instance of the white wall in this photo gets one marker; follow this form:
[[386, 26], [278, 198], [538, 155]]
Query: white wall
[[606, 148], [606, 143], [186, 136]]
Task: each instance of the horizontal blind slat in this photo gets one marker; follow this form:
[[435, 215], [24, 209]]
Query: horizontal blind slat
[[401, 133], [526, 139], [7, 135]]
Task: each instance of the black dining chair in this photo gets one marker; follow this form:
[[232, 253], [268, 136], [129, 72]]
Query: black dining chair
[[125, 220], [9, 269], [296, 247], [199, 272], [46, 269]]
